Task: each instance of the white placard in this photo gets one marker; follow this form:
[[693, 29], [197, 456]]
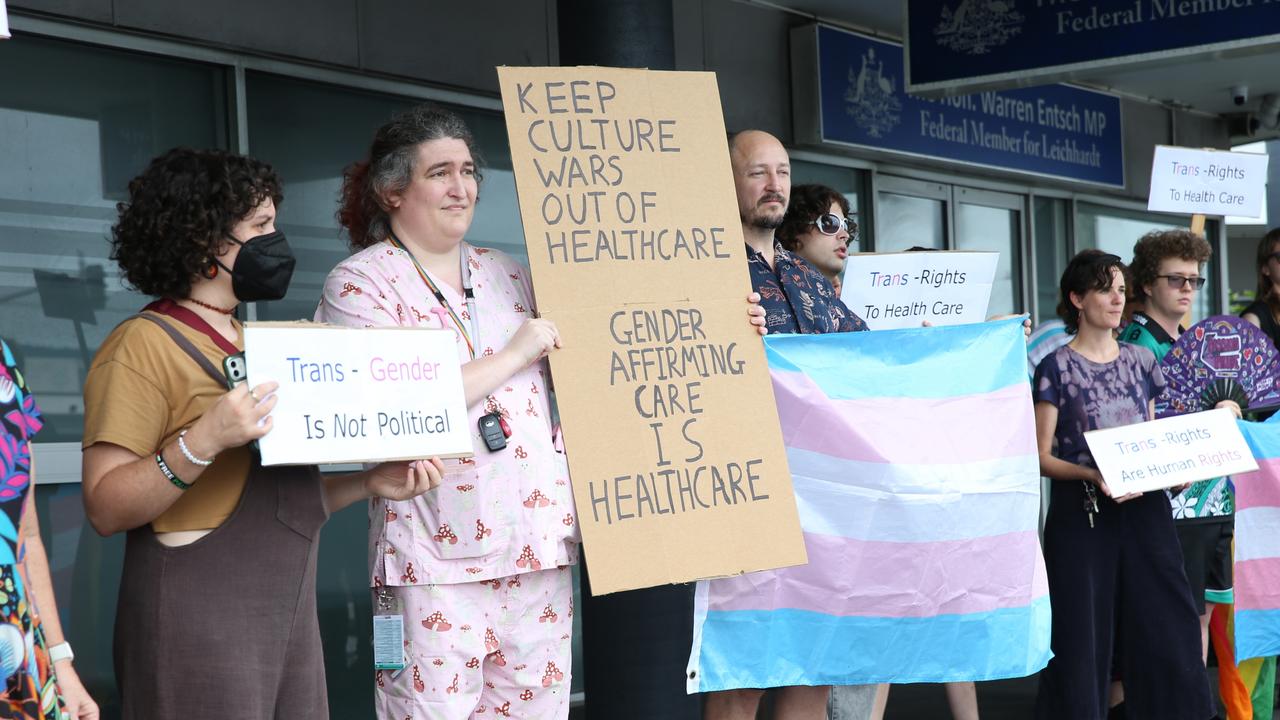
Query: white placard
[[1207, 182], [359, 394], [4, 21], [900, 290], [1170, 452]]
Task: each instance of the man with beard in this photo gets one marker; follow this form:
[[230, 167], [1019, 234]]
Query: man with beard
[[796, 299]]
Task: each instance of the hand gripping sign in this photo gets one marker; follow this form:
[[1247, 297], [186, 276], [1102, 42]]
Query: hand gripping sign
[[359, 394]]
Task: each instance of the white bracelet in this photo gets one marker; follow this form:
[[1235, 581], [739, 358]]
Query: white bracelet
[[60, 652], [186, 452]]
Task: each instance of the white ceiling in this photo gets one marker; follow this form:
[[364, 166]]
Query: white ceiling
[[1203, 85]]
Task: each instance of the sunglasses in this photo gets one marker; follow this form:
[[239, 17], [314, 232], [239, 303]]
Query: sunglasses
[[831, 224], [1177, 282]]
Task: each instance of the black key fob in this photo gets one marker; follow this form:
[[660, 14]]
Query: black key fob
[[491, 430]]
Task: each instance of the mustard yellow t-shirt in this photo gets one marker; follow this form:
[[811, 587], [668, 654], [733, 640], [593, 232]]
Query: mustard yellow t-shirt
[[142, 390]]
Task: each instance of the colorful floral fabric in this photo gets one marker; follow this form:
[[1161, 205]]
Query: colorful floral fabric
[[796, 298], [504, 512], [30, 691]]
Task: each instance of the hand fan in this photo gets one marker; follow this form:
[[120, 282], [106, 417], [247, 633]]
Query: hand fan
[[1219, 358]]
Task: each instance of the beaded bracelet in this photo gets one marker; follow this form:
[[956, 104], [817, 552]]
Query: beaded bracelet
[[164, 468], [190, 456]]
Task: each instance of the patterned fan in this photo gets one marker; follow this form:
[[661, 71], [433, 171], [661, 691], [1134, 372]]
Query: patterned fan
[[1219, 358]]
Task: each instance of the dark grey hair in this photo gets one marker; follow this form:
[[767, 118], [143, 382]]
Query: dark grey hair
[[390, 169]]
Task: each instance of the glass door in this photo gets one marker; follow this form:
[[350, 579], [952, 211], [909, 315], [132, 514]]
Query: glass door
[[992, 221], [941, 216]]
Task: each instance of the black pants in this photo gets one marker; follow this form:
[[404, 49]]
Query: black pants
[[1119, 581], [635, 649]]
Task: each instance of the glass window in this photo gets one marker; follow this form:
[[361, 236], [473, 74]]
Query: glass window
[[907, 221], [309, 132], [848, 181], [1051, 237], [979, 227], [76, 124], [1116, 230]]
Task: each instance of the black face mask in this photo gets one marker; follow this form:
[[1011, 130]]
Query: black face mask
[[263, 268]]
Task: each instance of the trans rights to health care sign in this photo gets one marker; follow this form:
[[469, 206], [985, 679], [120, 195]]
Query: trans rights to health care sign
[[921, 524], [971, 44], [1207, 182], [1054, 130], [359, 394], [901, 290], [637, 254]]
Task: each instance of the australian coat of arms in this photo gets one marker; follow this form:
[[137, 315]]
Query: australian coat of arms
[[976, 26], [872, 100]]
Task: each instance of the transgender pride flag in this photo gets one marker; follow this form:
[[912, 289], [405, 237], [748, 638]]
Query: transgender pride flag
[[914, 462], [1257, 552]]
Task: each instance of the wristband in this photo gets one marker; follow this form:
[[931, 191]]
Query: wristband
[[61, 651], [164, 468], [190, 456]]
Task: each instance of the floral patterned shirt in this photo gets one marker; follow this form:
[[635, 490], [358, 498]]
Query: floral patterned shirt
[[796, 298], [1094, 396], [19, 422], [503, 512]]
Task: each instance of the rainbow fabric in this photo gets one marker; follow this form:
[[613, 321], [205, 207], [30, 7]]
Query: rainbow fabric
[[914, 463]]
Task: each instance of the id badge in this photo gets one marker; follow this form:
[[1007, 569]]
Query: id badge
[[388, 634]]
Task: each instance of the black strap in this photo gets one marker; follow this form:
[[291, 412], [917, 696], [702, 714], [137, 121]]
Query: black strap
[[1153, 327], [187, 347]]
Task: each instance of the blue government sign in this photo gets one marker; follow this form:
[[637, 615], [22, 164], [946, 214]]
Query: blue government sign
[[964, 45], [1055, 130]]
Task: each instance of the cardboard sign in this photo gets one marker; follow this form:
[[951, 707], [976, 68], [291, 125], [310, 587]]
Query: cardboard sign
[[1170, 452], [901, 290], [637, 254], [359, 394], [1207, 182]]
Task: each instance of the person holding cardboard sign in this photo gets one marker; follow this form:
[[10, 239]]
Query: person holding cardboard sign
[[797, 299], [1114, 564], [479, 569], [208, 621]]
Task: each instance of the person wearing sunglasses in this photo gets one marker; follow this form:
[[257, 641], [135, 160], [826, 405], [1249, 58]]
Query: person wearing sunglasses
[[819, 228], [1166, 268]]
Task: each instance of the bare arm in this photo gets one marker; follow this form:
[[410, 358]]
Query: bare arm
[[40, 585], [1252, 319], [1051, 466], [123, 491], [392, 480]]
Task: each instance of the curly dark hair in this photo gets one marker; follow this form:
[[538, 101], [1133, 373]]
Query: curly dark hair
[[807, 203], [1267, 246], [362, 210], [180, 213], [1157, 246], [1088, 270]]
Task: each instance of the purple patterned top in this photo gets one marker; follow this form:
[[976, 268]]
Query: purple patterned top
[[1094, 396]]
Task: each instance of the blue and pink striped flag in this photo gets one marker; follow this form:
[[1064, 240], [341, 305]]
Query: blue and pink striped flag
[[1257, 551], [914, 462]]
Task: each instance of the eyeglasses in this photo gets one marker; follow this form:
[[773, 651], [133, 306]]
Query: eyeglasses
[[1177, 282], [831, 224]]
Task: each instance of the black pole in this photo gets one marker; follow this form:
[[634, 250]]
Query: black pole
[[617, 33], [635, 644]]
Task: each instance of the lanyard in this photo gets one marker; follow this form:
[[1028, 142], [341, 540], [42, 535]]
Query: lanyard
[[165, 306], [467, 293]]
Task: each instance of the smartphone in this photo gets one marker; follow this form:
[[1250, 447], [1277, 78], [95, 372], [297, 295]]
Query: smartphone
[[237, 372]]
